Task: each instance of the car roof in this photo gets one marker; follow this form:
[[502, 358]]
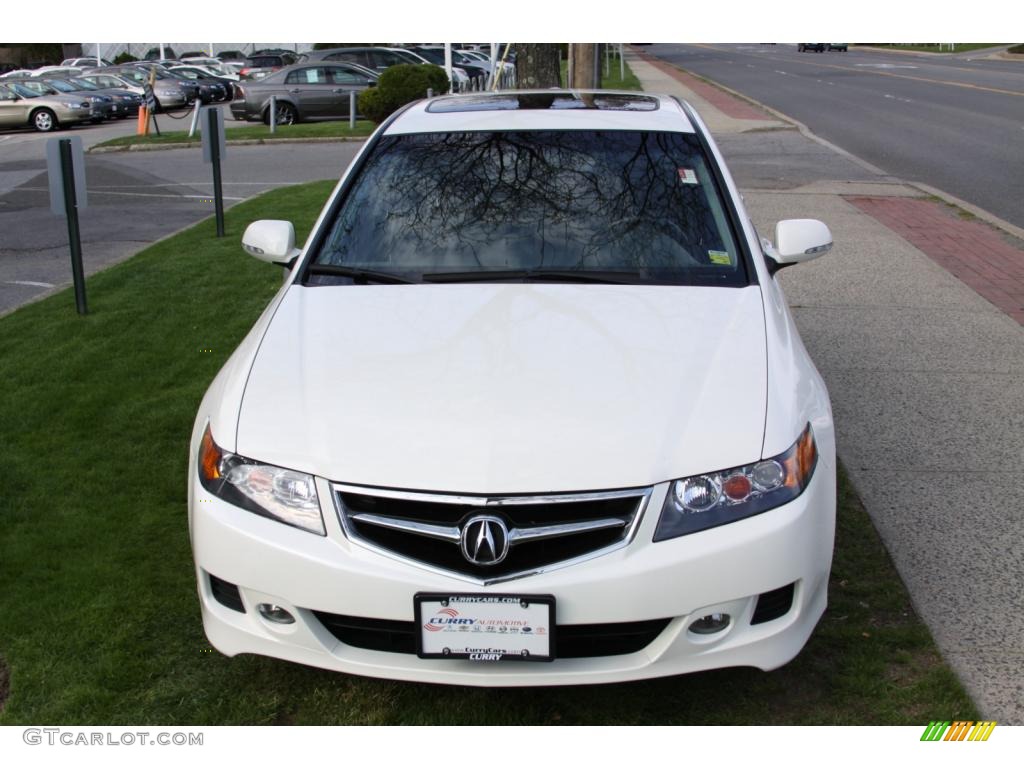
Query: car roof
[[544, 110]]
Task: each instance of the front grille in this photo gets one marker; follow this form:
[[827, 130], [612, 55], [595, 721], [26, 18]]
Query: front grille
[[427, 528], [774, 604], [572, 641]]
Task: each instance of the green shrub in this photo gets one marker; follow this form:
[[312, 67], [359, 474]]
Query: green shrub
[[1016, 48], [399, 85], [123, 57]]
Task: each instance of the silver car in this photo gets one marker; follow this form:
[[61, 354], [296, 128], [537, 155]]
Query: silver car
[[314, 91], [21, 107]]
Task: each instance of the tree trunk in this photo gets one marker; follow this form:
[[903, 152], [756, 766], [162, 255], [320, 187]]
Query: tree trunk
[[537, 66], [584, 61]]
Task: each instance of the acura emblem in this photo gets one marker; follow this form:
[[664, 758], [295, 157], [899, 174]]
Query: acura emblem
[[484, 540]]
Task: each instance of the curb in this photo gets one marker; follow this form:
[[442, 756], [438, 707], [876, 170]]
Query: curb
[[230, 143], [989, 218]]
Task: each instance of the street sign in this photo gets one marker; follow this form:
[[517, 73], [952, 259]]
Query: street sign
[[56, 176], [208, 135], [65, 164], [214, 149]]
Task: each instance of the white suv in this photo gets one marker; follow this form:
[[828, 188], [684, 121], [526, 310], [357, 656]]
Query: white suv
[[530, 409]]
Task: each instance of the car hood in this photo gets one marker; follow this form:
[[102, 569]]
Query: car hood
[[508, 388]]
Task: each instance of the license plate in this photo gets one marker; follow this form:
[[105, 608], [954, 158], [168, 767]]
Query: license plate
[[485, 627]]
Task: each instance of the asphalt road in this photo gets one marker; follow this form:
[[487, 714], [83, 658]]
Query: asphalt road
[[955, 123], [135, 198]]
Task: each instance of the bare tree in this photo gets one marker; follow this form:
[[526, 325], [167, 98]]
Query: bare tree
[[537, 66]]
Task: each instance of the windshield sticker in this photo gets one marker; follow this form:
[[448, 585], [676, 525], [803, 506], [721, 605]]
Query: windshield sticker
[[720, 257], [687, 176]]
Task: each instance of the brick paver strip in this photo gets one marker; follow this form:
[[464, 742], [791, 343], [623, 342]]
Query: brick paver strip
[[970, 250], [724, 102]]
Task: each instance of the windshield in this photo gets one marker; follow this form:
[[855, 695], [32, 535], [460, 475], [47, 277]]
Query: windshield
[[642, 204], [84, 85], [62, 86], [31, 89]]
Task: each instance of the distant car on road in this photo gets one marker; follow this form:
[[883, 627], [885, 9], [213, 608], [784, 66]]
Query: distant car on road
[[314, 91], [837, 47], [816, 47]]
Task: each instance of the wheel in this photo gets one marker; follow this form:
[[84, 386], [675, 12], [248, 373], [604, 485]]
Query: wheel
[[286, 114], [44, 120]]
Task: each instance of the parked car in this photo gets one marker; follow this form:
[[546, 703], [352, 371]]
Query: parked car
[[314, 91], [213, 67], [234, 59], [221, 87], [374, 58], [155, 54], [816, 47], [260, 65], [531, 392], [86, 61], [126, 102], [100, 107], [171, 92], [211, 88], [23, 107], [111, 81], [838, 47]]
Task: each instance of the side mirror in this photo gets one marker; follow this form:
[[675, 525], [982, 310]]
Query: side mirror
[[799, 240], [271, 240]]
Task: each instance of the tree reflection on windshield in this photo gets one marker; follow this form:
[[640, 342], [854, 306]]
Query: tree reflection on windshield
[[568, 200]]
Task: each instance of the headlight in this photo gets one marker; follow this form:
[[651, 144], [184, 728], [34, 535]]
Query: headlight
[[275, 492], [706, 501], [74, 104]]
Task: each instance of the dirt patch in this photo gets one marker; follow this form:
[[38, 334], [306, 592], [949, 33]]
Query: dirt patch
[[5, 682]]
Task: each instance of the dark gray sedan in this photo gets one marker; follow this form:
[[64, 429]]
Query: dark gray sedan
[[314, 91]]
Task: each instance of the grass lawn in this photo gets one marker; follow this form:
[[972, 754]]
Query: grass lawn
[[100, 616], [331, 129]]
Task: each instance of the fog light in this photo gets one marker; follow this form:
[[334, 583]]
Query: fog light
[[275, 613], [710, 624]]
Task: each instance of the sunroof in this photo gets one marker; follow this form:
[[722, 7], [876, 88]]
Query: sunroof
[[540, 100]]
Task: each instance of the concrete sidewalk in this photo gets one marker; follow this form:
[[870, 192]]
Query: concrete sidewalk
[[926, 375]]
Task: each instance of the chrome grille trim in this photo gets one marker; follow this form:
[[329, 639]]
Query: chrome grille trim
[[453, 534]]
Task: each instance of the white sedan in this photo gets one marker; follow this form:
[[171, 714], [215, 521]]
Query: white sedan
[[530, 409]]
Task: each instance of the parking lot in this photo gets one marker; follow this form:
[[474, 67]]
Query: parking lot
[[134, 199]]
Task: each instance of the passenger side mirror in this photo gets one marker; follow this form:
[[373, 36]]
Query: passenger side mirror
[[799, 240], [271, 240]]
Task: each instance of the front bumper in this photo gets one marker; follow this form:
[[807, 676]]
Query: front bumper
[[73, 115], [720, 570]]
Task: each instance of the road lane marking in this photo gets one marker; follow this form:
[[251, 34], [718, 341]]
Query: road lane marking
[[933, 81], [28, 282]]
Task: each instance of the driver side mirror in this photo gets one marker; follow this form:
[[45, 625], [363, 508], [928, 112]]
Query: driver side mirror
[[272, 241]]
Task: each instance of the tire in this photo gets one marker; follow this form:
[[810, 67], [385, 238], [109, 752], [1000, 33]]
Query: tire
[[44, 120], [286, 114]]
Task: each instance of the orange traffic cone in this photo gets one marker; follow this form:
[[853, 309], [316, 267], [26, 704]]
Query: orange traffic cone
[[142, 129]]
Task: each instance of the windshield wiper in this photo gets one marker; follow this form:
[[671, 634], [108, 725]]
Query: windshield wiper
[[552, 275], [359, 275]]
